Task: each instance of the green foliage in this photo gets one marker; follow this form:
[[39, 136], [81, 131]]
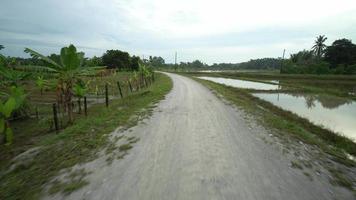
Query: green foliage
[[304, 57], [263, 63], [93, 62], [340, 58], [135, 63], [116, 59], [156, 61], [319, 46], [68, 71], [80, 90], [290, 67], [8, 76], [341, 51], [41, 83], [14, 100]]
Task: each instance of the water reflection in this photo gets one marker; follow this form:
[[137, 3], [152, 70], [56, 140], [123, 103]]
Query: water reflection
[[326, 101], [241, 83], [334, 113]]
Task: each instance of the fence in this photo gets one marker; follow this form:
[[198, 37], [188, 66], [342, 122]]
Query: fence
[[54, 112]]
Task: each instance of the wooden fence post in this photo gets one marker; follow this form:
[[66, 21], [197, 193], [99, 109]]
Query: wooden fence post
[[37, 115], [85, 106], [55, 117], [118, 85], [106, 95], [130, 86]]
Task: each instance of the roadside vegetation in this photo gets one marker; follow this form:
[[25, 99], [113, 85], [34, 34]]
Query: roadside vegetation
[[33, 149]]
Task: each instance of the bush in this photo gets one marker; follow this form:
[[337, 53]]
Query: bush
[[320, 68]]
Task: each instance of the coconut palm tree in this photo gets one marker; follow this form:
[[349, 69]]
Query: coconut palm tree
[[68, 71], [319, 46]]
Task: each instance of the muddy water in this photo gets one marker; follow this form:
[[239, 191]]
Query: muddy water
[[241, 83], [336, 114]]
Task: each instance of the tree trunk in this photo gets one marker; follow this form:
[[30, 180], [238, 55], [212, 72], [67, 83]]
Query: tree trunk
[[79, 106], [68, 101]]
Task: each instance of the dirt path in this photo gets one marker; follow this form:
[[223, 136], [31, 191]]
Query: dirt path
[[196, 147]]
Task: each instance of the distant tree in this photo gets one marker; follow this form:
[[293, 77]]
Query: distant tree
[[302, 57], [319, 46], [135, 63], [55, 57], [93, 62], [116, 59], [261, 63], [341, 52], [156, 61], [197, 64], [1, 47]]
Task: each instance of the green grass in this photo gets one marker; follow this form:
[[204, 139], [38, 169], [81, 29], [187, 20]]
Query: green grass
[[75, 144], [295, 164], [340, 179], [125, 147]]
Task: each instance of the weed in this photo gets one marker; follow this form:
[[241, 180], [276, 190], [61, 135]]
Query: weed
[[295, 164], [125, 147]]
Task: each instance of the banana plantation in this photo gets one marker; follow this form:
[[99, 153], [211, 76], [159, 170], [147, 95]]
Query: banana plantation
[[54, 95]]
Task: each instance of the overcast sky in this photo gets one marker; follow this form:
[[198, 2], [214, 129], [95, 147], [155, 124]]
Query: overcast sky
[[211, 31]]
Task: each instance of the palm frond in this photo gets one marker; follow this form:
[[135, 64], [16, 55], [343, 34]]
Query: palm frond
[[35, 54]]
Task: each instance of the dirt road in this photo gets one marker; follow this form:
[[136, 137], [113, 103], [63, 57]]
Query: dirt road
[[195, 146]]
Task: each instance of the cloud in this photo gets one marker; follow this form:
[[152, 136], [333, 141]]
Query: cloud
[[213, 31]]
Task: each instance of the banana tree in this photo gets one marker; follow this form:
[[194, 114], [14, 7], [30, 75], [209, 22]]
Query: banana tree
[[136, 79], [9, 76], [68, 72], [41, 83], [14, 100], [145, 73], [79, 91]]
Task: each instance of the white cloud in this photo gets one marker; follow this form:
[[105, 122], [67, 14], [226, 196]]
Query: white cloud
[[213, 31]]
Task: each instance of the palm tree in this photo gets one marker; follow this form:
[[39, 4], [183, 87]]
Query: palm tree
[[68, 71], [319, 46]]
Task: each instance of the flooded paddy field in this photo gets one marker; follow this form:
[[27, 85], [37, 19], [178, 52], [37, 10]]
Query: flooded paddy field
[[327, 103]]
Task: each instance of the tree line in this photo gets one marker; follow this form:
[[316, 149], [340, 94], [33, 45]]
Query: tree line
[[112, 59], [338, 58]]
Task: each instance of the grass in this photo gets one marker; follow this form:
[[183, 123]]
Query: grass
[[340, 178], [295, 164], [75, 144], [125, 147]]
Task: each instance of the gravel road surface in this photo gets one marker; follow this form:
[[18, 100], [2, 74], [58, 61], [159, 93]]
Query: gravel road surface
[[195, 146]]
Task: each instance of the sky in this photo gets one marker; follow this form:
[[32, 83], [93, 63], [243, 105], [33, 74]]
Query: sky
[[227, 31]]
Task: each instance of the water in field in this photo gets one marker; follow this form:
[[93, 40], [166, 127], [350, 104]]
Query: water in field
[[241, 83], [336, 114]]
